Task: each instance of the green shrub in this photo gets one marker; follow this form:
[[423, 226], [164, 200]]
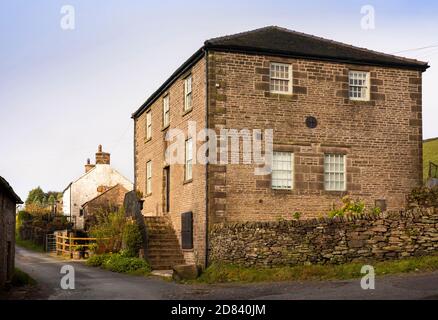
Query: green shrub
[[98, 260], [352, 207], [132, 239], [349, 207], [297, 215], [109, 231], [121, 264]]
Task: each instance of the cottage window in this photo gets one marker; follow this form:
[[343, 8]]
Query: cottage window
[[334, 172], [281, 78], [166, 111], [189, 157], [282, 170], [149, 125], [359, 85], [149, 177], [188, 93]]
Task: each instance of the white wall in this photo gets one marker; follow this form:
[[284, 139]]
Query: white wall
[[85, 189], [66, 202]]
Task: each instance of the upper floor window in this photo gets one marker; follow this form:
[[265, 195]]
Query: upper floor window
[[149, 124], [281, 78], [149, 177], [359, 84], [189, 157], [282, 170], [166, 111], [334, 172], [188, 93]]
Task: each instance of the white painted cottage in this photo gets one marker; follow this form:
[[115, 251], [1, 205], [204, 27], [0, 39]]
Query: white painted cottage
[[97, 179]]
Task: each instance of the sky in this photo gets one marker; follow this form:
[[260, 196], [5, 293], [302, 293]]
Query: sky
[[64, 92]]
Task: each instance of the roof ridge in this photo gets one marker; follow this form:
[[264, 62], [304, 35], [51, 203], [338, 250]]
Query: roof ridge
[[232, 36], [235, 35], [348, 45]]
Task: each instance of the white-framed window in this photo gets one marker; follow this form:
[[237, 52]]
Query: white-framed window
[[334, 172], [280, 78], [359, 85], [166, 111], [149, 124], [149, 177], [282, 170], [189, 157], [188, 93]]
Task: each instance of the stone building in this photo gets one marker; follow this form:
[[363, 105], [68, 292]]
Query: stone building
[[345, 120], [98, 178], [8, 202], [110, 200]]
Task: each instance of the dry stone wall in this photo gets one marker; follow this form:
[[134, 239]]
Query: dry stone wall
[[327, 241]]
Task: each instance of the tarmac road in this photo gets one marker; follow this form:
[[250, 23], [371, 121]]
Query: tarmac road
[[94, 283]]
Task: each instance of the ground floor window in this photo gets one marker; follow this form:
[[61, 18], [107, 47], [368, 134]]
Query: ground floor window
[[282, 170], [334, 172]]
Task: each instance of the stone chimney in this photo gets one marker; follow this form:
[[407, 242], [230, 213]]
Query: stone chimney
[[102, 157], [88, 166]]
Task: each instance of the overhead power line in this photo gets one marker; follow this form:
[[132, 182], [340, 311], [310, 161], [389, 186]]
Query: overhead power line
[[417, 49]]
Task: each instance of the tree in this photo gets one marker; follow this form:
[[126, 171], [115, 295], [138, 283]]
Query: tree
[[52, 199], [35, 196]]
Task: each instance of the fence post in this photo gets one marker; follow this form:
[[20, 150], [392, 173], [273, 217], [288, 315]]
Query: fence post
[[69, 246]]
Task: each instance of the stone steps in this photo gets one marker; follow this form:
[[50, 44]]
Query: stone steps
[[164, 250]]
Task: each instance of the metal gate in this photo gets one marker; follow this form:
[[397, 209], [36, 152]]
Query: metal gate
[[50, 243]]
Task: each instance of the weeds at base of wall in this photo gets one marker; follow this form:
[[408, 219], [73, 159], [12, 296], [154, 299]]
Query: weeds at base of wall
[[226, 273]]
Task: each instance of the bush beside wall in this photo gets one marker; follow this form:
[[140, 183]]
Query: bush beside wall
[[326, 240]]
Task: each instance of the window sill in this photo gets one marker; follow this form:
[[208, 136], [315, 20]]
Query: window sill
[[166, 127], [335, 192], [353, 102], [359, 100], [185, 112], [188, 181], [282, 190], [147, 140], [281, 93], [148, 195], [188, 250]]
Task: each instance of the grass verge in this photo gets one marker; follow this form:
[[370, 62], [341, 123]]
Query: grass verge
[[118, 263], [222, 273], [430, 153], [27, 244], [21, 279]]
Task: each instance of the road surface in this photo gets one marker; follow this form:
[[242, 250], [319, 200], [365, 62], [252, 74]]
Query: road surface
[[94, 283]]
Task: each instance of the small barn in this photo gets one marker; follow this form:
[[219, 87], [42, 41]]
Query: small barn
[[8, 202]]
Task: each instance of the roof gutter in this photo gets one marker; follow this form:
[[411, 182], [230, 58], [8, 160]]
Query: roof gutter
[[250, 50]]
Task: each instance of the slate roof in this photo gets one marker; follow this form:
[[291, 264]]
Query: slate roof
[[277, 41], [7, 189]]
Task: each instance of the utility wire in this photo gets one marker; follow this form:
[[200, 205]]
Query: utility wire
[[417, 49]]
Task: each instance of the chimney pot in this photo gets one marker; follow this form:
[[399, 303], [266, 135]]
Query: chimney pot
[[102, 157], [88, 165]]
